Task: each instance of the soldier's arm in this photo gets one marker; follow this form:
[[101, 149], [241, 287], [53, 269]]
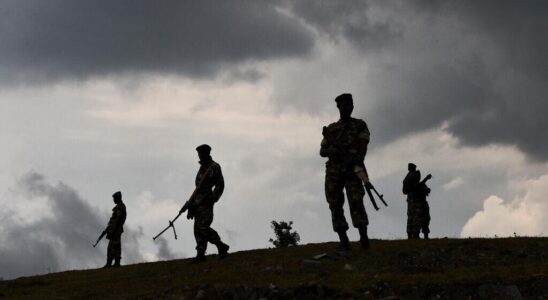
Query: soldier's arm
[[219, 184], [115, 220], [363, 139], [325, 149], [110, 225]]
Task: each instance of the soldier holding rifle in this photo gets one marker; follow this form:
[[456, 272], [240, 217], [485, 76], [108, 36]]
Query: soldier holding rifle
[[114, 231], [418, 211], [345, 145], [209, 188]]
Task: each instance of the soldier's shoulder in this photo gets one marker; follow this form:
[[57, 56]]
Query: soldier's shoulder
[[360, 124], [359, 121], [334, 125], [121, 207], [215, 165]]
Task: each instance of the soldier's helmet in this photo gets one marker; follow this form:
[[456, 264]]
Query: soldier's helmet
[[343, 98], [206, 149]]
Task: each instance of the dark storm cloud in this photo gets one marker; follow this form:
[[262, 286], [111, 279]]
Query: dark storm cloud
[[346, 19], [515, 113], [58, 241], [59, 39], [479, 66]]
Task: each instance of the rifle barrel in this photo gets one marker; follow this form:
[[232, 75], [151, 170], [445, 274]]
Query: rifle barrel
[[170, 225], [381, 197], [100, 237], [159, 234], [372, 199]]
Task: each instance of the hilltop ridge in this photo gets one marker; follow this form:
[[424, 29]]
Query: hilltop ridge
[[509, 268]]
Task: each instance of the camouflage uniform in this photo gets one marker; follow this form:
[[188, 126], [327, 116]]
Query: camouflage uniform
[[418, 211], [351, 138], [114, 233], [210, 185]]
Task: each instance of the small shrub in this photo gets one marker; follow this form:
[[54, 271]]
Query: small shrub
[[284, 236]]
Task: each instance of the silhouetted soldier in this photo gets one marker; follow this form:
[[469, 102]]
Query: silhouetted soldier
[[418, 211], [346, 148], [114, 231], [209, 188]]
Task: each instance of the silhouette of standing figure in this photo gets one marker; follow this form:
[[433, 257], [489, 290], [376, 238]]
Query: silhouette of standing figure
[[346, 148], [418, 211], [209, 188], [114, 231]]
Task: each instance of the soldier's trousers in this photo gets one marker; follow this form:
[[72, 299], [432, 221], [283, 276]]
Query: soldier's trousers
[[203, 233], [418, 216], [114, 249], [337, 181]]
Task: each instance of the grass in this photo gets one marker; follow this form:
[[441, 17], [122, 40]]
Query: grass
[[399, 266]]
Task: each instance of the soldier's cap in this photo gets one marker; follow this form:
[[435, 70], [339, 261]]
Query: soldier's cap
[[203, 148], [344, 97], [411, 165], [118, 194]]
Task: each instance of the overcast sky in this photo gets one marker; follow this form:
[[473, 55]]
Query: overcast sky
[[101, 96]]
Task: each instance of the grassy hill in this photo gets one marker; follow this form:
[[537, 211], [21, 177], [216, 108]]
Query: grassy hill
[[435, 269]]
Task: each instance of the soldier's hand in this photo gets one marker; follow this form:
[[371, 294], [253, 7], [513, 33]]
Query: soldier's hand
[[368, 185]]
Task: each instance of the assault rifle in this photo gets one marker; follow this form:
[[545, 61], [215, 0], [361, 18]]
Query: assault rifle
[[170, 225], [361, 172], [428, 177], [423, 184], [189, 205], [358, 168], [100, 238]]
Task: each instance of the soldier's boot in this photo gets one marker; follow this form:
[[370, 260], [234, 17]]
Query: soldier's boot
[[409, 236], [117, 262], [200, 257], [364, 239], [222, 248], [109, 263], [344, 242], [426, 236]]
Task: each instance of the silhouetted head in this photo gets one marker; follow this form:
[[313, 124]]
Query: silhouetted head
[[411, 167], [117, 197], [204, 152], [345, 104]]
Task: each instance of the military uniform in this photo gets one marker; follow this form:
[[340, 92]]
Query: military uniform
[[418, 211], [114, 230], [346, 147], [210, 186], [351, 136]]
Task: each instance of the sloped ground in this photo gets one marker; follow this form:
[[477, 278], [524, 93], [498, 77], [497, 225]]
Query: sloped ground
[[511, 268]]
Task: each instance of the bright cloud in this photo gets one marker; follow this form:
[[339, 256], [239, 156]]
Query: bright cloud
[[524, 215]]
